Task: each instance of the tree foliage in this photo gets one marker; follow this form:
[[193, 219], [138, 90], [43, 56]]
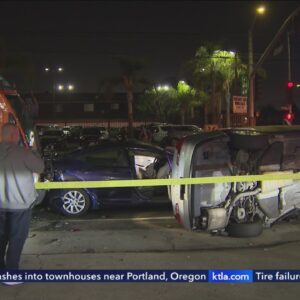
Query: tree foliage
[[215, 71], [168, 104]]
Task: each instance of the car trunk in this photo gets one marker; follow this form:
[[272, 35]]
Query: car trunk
[[210, 158]]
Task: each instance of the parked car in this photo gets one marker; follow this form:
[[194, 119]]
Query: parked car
[[112, 160], [158, 131], [61, 147], [167, 134], [243, 208], [50, 136], [176, 132], [75, 131], [93, 135]]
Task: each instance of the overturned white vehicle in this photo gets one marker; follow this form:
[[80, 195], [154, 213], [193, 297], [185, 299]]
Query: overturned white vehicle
[[242, 208]]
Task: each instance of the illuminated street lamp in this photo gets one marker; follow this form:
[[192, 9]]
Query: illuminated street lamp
[[259, 11], [163, 88], [60, 87], [70, 87], [57, 69], [54, 71]]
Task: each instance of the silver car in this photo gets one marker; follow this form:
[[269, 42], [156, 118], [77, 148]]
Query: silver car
[[244, 208]]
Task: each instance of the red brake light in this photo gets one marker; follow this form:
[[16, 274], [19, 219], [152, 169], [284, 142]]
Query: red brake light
[[290, 84], [179, 144], [178, 148]]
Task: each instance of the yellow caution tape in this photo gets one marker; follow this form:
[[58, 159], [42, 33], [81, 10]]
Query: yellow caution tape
[[163, 182]]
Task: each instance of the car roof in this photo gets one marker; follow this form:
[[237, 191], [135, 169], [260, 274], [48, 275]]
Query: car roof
[[133, 144], [264, 129]]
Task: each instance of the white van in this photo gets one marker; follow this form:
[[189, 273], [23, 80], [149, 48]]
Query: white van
[[243, 208]]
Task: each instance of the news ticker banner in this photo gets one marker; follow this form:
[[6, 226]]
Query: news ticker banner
[[147, 276], [164, 182]]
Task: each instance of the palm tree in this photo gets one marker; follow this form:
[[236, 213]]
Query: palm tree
[[131, 78], [216, 70], [187, 98]]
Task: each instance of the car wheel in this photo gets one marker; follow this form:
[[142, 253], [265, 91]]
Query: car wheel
[[245, 229], [74, 203]]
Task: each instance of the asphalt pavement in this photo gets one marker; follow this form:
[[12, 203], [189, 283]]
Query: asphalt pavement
[[151, 239]]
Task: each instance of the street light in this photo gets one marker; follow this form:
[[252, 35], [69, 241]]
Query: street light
[[54, 71], [69, 87], [163, 88], [259, 11], [60, 87]]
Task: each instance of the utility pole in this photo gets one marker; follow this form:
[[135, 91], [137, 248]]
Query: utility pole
[[251, 77], [289, 57], [270, 47], [289, 100]]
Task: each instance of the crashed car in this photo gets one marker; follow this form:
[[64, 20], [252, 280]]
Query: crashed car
[[242, 209], [110, 161]]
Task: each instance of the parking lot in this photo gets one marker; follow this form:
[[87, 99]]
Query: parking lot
[[148, 237]]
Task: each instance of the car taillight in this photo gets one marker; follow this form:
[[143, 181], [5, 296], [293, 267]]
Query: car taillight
[[178, 148], [179, 144]]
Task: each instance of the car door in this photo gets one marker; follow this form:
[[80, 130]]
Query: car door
[[144, 163], [108, 163]]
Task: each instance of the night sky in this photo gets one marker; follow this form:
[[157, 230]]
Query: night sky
[[83, 37]]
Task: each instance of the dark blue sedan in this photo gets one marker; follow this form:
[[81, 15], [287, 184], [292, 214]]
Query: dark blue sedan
[[110, 161]]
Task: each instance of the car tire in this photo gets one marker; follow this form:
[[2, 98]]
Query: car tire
[[252, 229], [74, 202]]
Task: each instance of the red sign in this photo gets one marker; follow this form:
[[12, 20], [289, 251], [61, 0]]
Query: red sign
[[239, 105]]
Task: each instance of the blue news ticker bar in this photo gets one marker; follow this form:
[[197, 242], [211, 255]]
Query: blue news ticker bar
[[167, 276], [230, 276], [276, 275]]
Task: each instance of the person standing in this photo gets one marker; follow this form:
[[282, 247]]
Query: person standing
[[17, 195]]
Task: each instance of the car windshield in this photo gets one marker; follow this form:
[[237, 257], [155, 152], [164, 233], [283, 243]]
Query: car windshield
[[93, 131], [187, 128], [53, 133]]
